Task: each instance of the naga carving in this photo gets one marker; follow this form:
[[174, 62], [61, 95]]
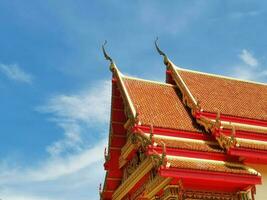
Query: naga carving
[[132, 165]]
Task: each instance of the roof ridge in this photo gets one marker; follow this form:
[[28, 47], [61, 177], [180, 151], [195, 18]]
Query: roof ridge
[[149, 81], [221, 76]]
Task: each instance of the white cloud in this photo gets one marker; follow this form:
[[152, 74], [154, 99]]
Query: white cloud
[[57, 167], [250, 68], [54, 167], [76, 112], [14, 72], [248, 58], [55, 178], [74, 166]]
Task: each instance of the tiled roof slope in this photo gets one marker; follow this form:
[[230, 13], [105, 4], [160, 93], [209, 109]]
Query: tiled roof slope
[[210, 165], [186, 143], [232, 97], [159, 105]]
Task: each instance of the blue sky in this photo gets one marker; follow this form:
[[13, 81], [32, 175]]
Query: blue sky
[[54, 81]]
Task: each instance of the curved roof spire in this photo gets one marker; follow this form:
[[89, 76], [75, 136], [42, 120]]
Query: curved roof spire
[[112, 64], [158, 49], [166, 59]]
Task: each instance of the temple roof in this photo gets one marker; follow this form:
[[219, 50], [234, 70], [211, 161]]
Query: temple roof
[[209, 165], [186, 143], [174, 128], [158, 104], [232, 97]]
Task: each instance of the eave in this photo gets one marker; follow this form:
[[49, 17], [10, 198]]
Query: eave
[[177, 142], [249, 155], [189, 100], [194, 179]]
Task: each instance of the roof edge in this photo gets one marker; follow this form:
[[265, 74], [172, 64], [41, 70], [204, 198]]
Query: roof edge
[[127, 98], [148, 81], [220, 76]]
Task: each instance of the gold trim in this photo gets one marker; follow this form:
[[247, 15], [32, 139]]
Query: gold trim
[[173, 192], [190, 101], [188, 98], [178, 139], [244, 127], [209, 123], [149, 81], [126, 150], [216, 162], [134, 141], [127, 124], [124, 91], [251, 143], [155, 186], [136, 176]]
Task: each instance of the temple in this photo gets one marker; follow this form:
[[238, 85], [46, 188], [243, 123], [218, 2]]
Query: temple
[[197, 136]]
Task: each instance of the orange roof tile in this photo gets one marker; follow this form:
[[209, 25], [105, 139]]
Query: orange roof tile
[[188, 144], [159, 104], [209, 165], [232, 97]]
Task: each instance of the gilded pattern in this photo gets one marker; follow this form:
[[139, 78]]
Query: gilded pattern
[[132, 165]]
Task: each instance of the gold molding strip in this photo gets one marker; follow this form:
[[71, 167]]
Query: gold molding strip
[[206, 161], [155, 186], [180, 139], [209, 123], [173, 192], [136, 176], [149, 81], [244, 127], [125, 93], [190, 101], [125, 151], [134, 141], [188, 97], [248, 142]]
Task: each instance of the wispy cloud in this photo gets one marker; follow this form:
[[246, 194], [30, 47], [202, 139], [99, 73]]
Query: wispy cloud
[[76, 113], [55, 178], [250, 68], [54, 167], [89, 106], [73, 163], [14, 72], [248, 58]]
